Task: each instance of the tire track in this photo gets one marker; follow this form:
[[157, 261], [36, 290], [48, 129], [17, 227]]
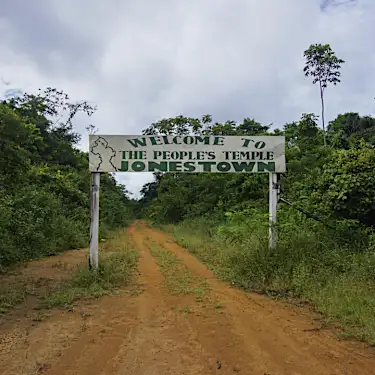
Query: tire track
[[276, 337]]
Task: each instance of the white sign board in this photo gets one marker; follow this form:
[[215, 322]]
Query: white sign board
[[187, 154]]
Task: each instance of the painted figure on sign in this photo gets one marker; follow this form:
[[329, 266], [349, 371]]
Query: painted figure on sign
[[104, 155]]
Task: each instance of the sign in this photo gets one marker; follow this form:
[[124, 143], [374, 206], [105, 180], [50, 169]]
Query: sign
[[187, 154]]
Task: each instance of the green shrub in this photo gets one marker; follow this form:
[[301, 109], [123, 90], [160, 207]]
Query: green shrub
[[115, 270], [45, 181]]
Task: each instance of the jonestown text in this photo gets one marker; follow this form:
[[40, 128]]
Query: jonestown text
[[187, 154]]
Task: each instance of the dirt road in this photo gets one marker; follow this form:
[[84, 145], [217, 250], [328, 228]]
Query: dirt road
[[177, 319]]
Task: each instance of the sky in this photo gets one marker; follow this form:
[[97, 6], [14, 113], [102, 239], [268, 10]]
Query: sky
[[143, 60]]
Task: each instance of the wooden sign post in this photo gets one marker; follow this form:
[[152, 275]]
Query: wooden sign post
[[94, 224]]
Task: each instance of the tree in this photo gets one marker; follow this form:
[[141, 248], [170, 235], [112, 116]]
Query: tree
[[348, 129], [174, 197], [45, 179], [305, 135], [345, 188], [324, 67]]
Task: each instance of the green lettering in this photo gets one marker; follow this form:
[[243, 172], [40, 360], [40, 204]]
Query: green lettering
[[138, 166], [175, 166], [183, 154], [246, 167], [135, 142], [270, 166], [188, 140], [269, 155], [206, 165], [124, 166], [166, 140], [223, 167], [175, 140], [219, 141], [254, 154], [134, 155], [189, 166], [162, 166], [205, 140], [211, 155], [246, 142], [129, 156], [155, 140], [260, 144], [200, 155], [166, 155], [231, 155], [157, 154], [175, 155]]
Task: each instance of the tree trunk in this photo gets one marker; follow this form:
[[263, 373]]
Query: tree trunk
[[323, 122]]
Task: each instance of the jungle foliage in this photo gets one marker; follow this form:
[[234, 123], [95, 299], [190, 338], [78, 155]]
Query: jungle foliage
[[326, 257], [45, 181]]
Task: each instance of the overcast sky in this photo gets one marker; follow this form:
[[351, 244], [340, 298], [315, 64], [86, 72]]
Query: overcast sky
[[142, 60]]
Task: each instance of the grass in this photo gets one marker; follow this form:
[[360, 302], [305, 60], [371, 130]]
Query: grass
[[210, 251], [11, 296], [114, 271], [178, 279], [309, 264], [116, 266], [15, 290], [185, 309], [117, 262]]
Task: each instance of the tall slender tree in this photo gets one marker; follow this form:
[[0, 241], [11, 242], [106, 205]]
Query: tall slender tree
[[324, 67]]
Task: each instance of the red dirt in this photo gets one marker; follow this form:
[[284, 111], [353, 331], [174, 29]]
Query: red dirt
[[141, 332]]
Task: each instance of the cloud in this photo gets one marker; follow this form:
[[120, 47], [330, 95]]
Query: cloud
[[326, 4], [140, 61]]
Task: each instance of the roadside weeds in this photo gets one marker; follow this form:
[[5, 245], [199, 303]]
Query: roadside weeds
[[118, 262]]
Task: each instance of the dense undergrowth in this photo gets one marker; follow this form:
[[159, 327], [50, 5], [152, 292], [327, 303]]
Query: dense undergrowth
[[117, 263], [223, 218], [45, 180]]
